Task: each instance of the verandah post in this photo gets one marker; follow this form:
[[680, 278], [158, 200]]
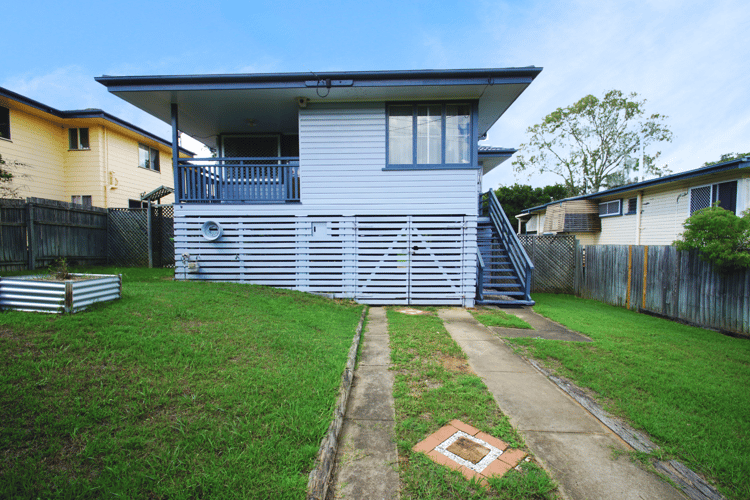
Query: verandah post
[[176, 154]]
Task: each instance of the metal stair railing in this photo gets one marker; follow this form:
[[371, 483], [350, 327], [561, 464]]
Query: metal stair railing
[[517, 255]]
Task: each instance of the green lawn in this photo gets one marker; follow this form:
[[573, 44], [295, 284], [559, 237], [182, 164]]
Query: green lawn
[[433, 385], [179, 390], [687, 387], [496, 317]]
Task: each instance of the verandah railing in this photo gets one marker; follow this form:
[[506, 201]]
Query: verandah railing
[[238, 180]]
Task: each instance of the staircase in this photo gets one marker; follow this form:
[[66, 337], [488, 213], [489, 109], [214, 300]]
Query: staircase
[[504, 271]]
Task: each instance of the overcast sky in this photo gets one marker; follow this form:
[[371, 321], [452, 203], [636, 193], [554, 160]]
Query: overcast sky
[[690, 60]]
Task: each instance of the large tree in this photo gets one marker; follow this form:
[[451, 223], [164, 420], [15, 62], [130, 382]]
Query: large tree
[[595, 143]]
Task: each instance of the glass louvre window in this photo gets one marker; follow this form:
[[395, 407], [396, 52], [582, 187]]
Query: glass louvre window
[[400, 135], [457, 133], [148, 157], [632, 206], [609, 208], [429, 134], [78, 138]]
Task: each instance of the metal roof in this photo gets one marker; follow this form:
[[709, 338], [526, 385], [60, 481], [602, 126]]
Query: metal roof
[[698, 172], [86, 113], [210, 105]]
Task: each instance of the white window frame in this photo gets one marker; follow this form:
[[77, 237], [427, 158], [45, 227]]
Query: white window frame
[[619, 208], [711, 194], [151, 153]]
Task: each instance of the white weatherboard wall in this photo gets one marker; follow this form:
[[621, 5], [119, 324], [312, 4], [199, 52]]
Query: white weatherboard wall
[[354, 231]]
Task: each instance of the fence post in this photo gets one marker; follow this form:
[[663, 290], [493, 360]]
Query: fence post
[[149, 239], [31, 236]]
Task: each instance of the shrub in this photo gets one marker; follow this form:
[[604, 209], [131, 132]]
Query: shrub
[[721, 237]]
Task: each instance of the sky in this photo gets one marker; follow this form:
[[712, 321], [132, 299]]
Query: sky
[[689, 60]]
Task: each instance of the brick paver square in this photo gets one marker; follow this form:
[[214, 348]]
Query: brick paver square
[[464, 448]]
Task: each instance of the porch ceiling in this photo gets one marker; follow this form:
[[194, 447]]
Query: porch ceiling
[[214, 104]]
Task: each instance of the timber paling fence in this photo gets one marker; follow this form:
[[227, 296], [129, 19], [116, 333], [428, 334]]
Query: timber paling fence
[[667, 282], [554, 262], [35, 232]]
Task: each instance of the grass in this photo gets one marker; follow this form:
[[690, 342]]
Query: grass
[[687, 387], [496, 317], [178, 390], [433, 385]]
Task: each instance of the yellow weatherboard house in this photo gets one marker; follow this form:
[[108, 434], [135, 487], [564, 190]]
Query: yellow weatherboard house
[[83, 156]]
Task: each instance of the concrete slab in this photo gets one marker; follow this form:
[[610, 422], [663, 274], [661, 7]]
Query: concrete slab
[[372, 394], [586, 468], [543, 328], [374, 351], [367, 461], [367, 458], [575, 447]]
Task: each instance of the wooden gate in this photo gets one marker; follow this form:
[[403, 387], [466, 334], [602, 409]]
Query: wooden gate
[[412, 260]]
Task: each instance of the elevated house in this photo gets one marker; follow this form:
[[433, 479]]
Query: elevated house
[[651, 212], [88, 156], [364, 185]]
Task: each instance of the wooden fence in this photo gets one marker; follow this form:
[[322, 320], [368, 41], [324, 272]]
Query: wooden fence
[[662, 280], [35, 232]]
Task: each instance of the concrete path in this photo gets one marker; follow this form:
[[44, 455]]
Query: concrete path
[[367, 459], [571, 443]]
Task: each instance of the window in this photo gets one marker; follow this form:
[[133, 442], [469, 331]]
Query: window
[[705, 196], [137, 204], [78, 138], [148, 157], [430, 135], [610, 208], [84, 200], [4, 123], [632, 206]]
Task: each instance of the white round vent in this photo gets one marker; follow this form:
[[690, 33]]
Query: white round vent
[[211, 230]]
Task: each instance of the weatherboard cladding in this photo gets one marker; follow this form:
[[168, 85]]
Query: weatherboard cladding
[[342, 156], [354, 230]]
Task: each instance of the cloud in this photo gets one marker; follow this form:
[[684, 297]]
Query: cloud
[[686, 58]]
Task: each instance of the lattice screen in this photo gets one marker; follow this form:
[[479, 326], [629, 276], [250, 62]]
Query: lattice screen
[[554, 262]]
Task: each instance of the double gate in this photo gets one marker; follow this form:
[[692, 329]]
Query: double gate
[[414, 260]]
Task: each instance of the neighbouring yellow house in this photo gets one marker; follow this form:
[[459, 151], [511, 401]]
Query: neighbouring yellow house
[[84, 156], [651, 212]]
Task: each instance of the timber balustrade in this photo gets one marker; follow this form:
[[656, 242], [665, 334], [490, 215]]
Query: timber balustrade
[[238, 180], [518, 257]]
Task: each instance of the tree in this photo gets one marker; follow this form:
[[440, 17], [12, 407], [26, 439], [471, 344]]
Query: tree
[[519, 196], [726, 157], [591, 143], [7, 174], [721, 237]]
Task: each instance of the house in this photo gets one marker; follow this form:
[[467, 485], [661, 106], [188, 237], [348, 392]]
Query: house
[[363, 185], [651, 212], [86, 156]]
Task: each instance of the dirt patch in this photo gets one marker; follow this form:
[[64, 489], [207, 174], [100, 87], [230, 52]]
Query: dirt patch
[[454, 364], [412, 312]]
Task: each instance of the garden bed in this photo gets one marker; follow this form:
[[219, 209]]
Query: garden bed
[[44, 293]]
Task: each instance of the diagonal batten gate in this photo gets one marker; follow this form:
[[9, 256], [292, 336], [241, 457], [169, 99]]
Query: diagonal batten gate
[[412, 260]]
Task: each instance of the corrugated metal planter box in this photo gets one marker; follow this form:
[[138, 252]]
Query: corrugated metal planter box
[[30, 293]]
